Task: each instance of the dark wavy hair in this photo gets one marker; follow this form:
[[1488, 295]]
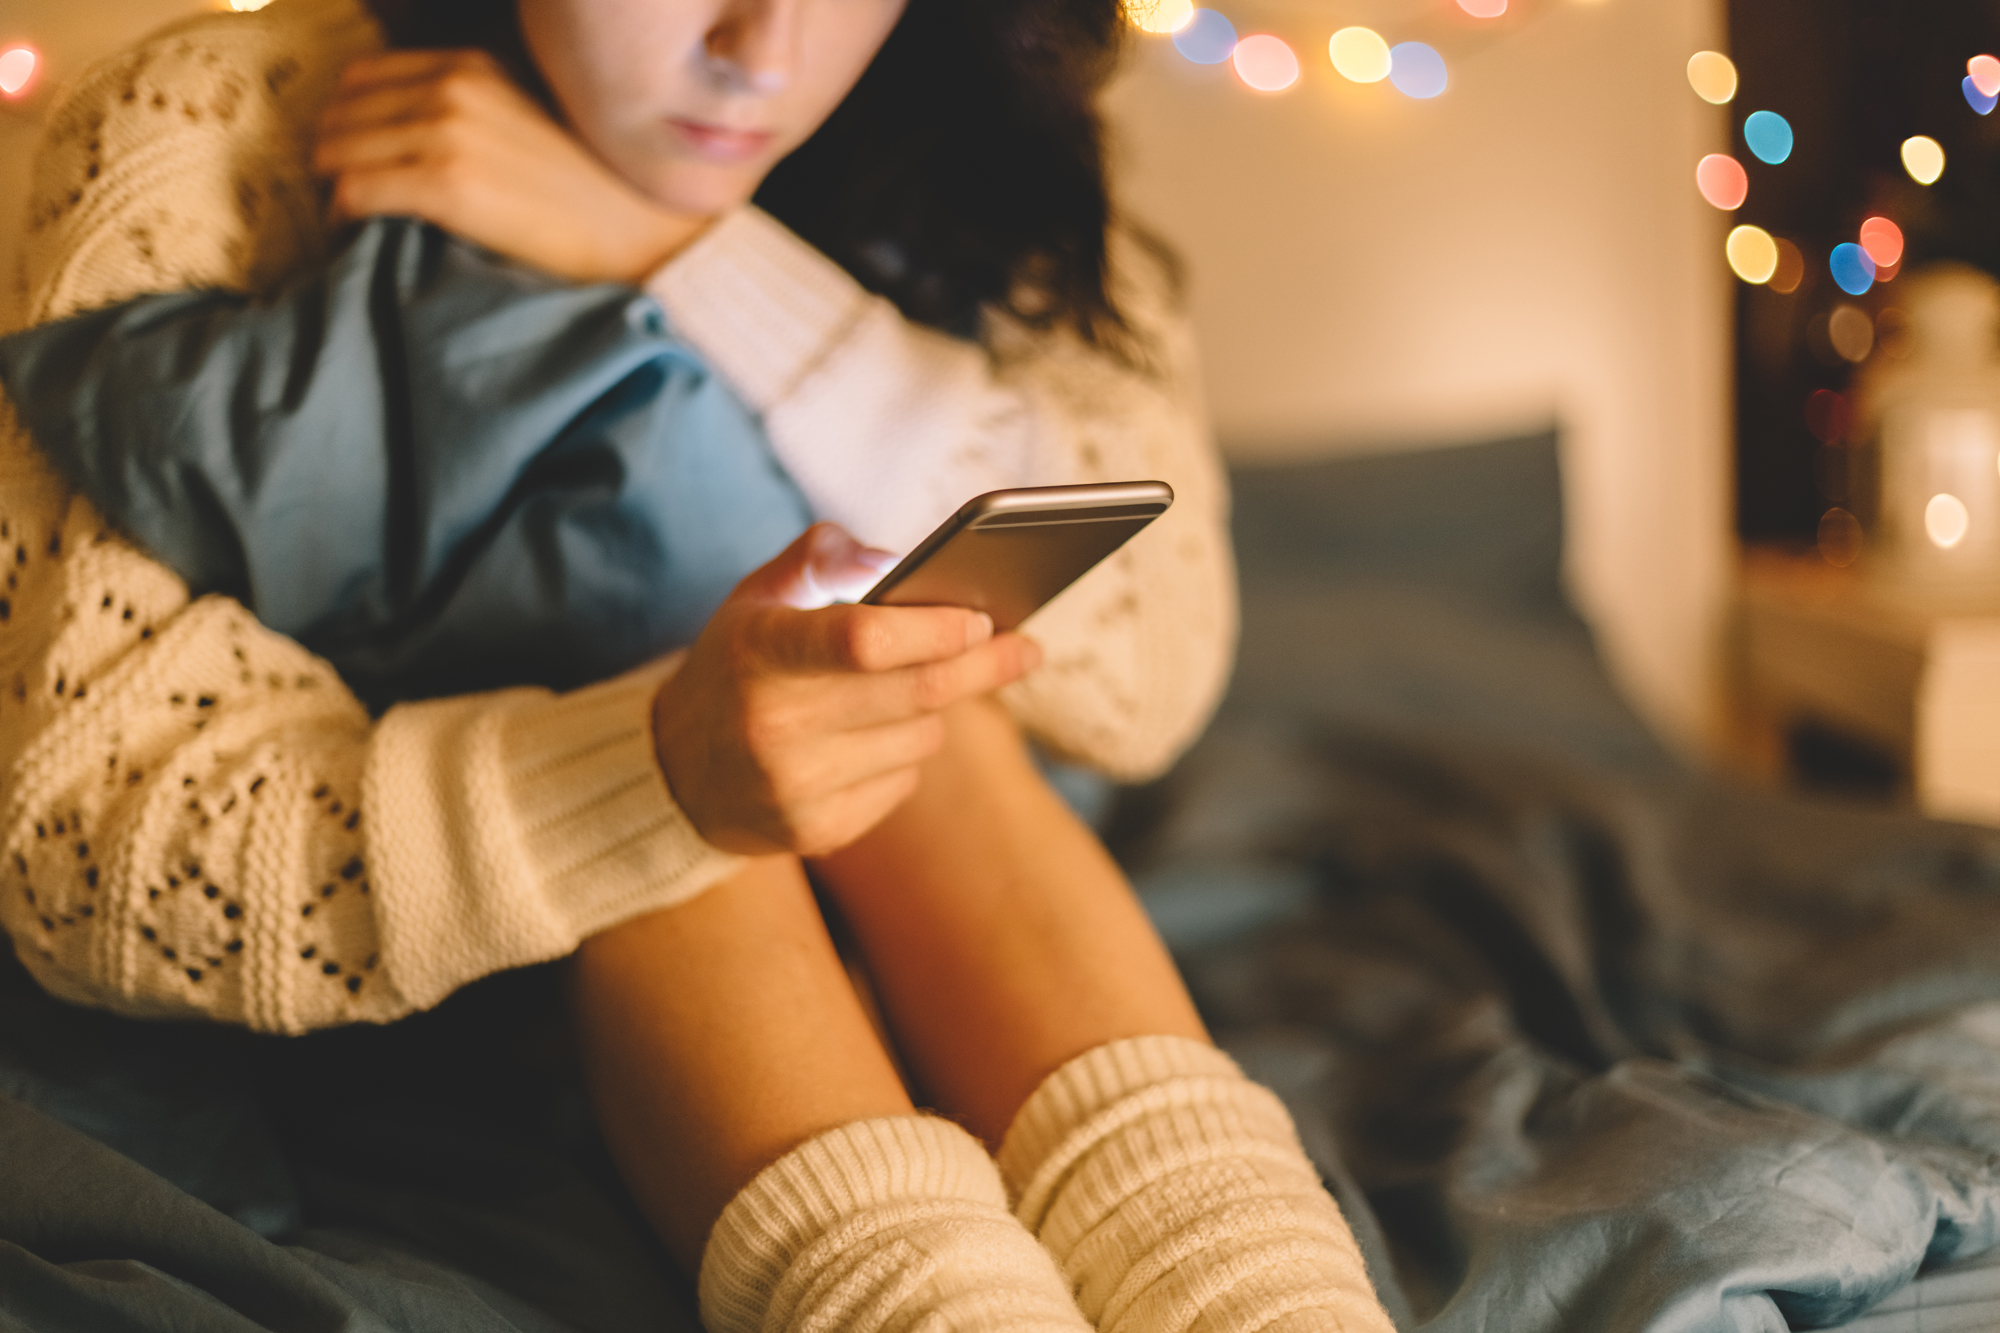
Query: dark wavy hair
[[965, 170]]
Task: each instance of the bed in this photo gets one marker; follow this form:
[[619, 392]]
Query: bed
[[1583, 1040]]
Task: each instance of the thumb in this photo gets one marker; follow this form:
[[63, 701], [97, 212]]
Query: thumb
[[825, 564]]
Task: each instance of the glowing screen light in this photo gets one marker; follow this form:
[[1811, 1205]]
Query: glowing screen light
[[17, 70], [1713, 76], [1984, 71], [1753, 255], [1853, 271], [1722, 182], [1160, 16], [1945, 520], [1484, 9], [1978, 101], [1266, 63], [1207, 38], [1791, 269], [1768, 135], [1360, 55], [1417, 70], [1923, 158], [1883, 240]]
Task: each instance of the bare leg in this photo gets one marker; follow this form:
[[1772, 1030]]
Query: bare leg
[[718, 1035], [1001, 937]]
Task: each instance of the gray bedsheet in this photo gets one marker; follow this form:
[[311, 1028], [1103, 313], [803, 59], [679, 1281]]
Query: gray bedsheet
[[1584, 1041]]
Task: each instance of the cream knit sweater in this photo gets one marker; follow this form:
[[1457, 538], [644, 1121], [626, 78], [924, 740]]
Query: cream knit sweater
[[200, 820]]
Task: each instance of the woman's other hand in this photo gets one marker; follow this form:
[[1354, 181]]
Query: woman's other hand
[[796, 726], [448, 137]]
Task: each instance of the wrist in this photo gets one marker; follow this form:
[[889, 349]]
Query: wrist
[[654, 237]]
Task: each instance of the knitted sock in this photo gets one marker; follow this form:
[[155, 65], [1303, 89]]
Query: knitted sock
[[1175, 1196], [880, 1226]]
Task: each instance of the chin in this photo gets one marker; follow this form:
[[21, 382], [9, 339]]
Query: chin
[[701, 189]]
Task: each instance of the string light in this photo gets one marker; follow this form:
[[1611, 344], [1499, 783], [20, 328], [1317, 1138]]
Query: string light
[[1791, 270], [1983, 103], [1769, 136], [1984, 71], [1851, 332], [1266, 63], [1360, 55], [1923, 158], [1159, 16], [1945, 520], [1722, 181], [1852, 268], [1207, 38], [1417, 70], [1712, 76], [17, 70], [1753, 255], [1883, 240]]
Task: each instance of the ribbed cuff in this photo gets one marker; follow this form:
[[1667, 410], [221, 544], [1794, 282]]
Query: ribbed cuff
[[1067, 1115], [762, 305], [602, 830], [801, 1202]]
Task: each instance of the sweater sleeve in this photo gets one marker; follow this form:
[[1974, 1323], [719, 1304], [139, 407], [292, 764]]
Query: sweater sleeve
[[441, 471], [888, 427], [200, 820]]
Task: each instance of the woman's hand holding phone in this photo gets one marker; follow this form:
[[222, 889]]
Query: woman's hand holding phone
[[795, 726]]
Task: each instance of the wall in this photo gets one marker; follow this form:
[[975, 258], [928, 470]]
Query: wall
[[1370, 271]]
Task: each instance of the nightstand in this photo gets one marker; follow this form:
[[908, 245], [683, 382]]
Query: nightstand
[[1822, 646]]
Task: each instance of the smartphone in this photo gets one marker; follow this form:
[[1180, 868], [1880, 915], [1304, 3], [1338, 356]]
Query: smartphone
[[1008, 552]]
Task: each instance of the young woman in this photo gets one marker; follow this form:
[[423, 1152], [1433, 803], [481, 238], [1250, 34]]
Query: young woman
[[202, 820]]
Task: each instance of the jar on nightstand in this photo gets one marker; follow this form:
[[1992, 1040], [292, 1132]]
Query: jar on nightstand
[[1934, 420]]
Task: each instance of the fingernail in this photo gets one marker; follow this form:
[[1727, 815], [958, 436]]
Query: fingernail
[[979, 629], [877, 559]]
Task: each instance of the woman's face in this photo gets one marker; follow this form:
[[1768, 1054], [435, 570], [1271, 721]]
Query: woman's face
[[694, 101]]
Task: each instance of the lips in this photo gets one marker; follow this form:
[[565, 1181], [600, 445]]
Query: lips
[[718, 143]]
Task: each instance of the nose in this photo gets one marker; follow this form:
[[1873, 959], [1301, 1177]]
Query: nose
[[752, 45]]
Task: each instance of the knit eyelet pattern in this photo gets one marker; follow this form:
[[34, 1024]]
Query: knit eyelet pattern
[[184, 794]]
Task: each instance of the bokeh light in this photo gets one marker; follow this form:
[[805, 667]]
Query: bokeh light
[[1839, 537], [248, 6], [1883, 240], [1791, 269], [17, 69], [1985, 74], [1853, 271], [1983, 103], [1266, 63], [1722, 181], [1207, 38], [1713, 76], [1828, 416], [1923, 158], [1417, 70], [1359, 54], [1768, 135], [1484, 9], [1851, 332], [1753, 255], [1945, 520], [1162, 16]]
